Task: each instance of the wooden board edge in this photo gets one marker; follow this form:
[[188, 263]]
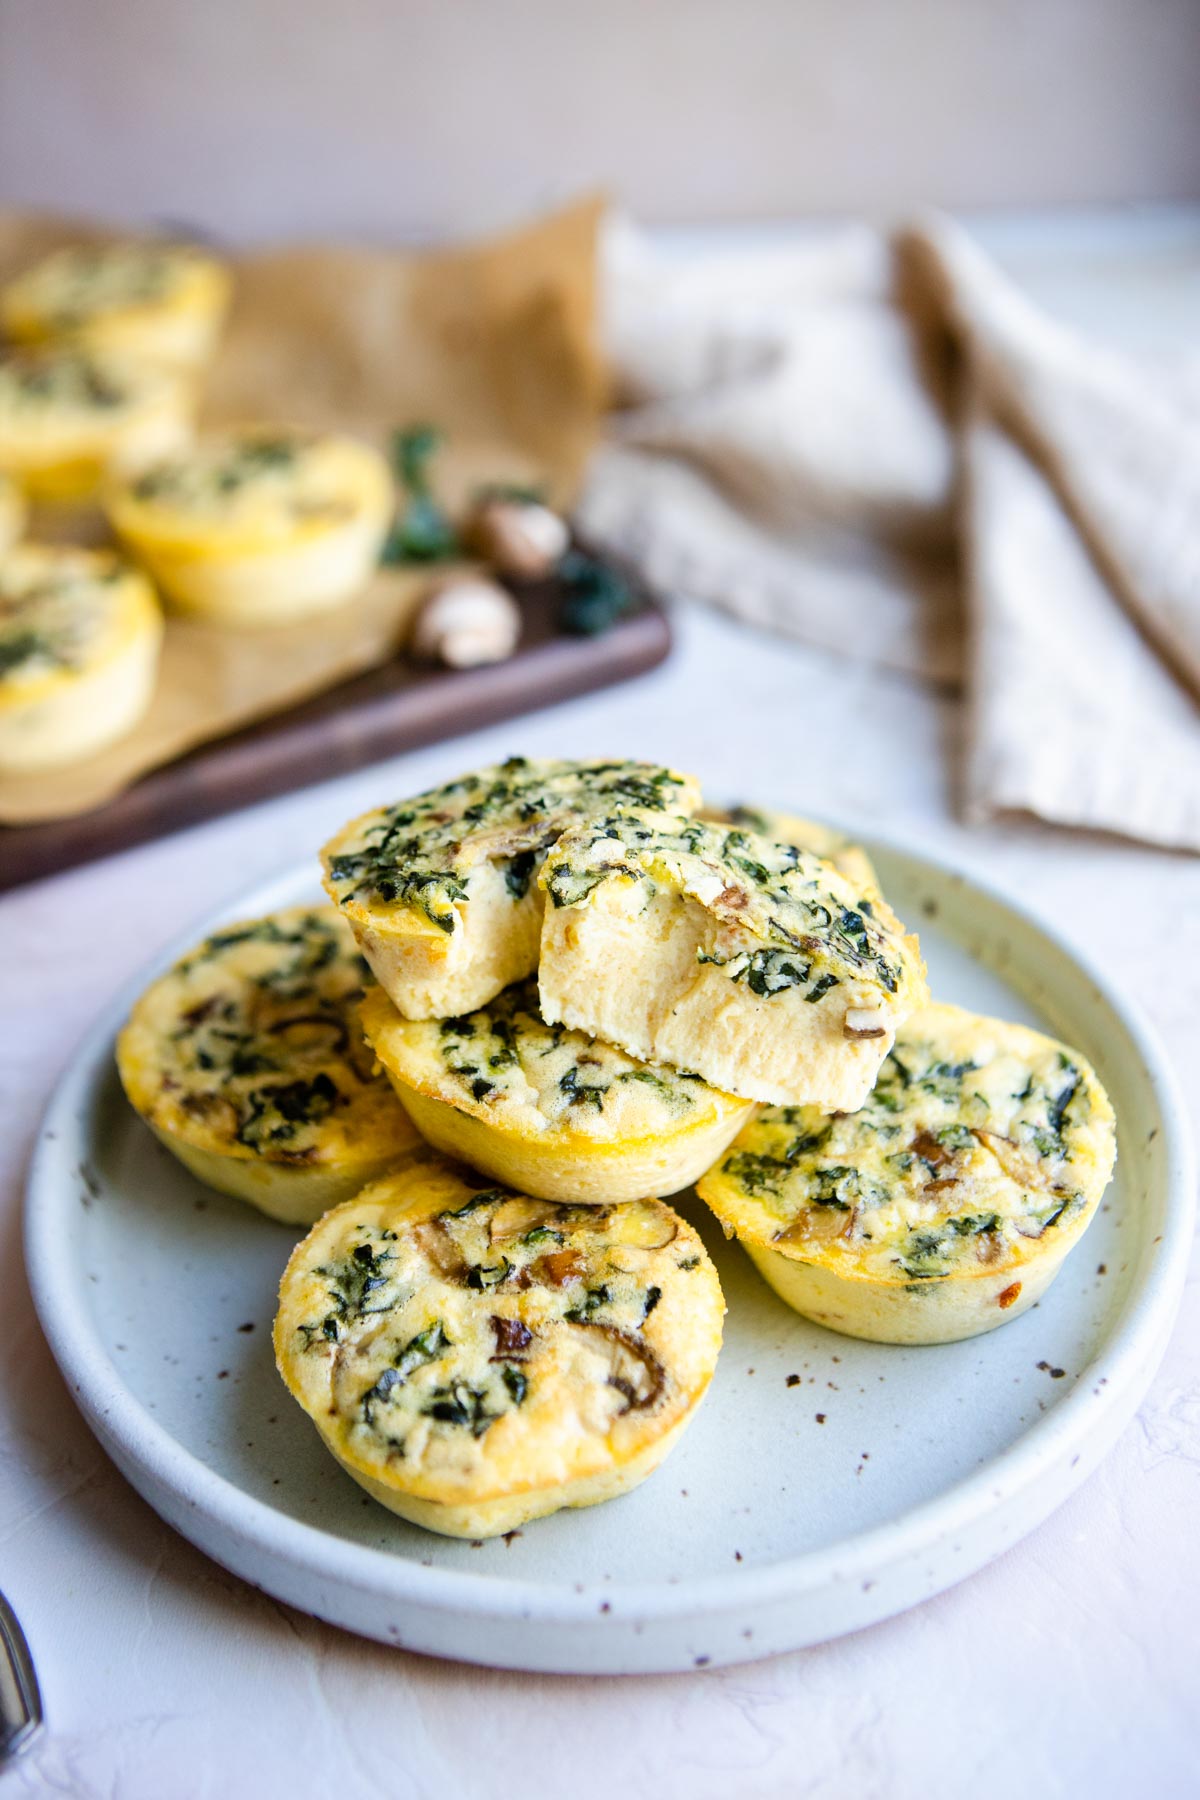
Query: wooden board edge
[[290, 752]]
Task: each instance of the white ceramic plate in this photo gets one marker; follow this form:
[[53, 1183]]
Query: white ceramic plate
[[824, 1485]]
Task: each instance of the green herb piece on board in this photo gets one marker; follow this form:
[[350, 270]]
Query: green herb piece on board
[[594, 597], [422, 531]]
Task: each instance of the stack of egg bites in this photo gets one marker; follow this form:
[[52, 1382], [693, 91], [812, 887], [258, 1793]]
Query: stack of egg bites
[[104, 353], [582, 993]]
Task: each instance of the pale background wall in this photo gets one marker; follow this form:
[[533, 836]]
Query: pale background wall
[[421, 117]]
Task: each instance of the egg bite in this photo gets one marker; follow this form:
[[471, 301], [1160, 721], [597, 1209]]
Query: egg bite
[[246, 1059], [476, 1359], [14, 513], [159, 302], [847, 857], [259, 527], [752, 962], [72, 417], [550, 1111], [944, 1206], [441, 889], [80, 633]]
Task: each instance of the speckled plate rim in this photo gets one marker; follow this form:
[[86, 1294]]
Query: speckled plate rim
[[1088, 1419]]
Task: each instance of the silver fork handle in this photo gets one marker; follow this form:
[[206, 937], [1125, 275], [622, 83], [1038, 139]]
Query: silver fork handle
[[20, 1697]]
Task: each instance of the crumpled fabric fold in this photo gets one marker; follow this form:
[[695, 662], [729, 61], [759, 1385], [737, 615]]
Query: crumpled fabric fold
[[879, 445]]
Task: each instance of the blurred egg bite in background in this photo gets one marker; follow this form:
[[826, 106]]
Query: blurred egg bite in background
[[72, 417], [158, 302], [80, 633], [259, 526]]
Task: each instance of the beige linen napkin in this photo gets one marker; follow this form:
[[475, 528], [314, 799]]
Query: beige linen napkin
[[847, 440]]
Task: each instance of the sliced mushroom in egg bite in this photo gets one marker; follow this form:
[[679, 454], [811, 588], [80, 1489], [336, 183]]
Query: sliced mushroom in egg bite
[[942, 1208], [475, 1358]]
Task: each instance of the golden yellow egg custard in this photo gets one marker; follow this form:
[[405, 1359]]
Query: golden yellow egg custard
[[752, 962], [260, 526], [847, 857], [247, 1060], [441, 890], [476, 1358], [557, 1114], [80, 633], [14, 513], [942, 1208], [161, 302], [72, 417]]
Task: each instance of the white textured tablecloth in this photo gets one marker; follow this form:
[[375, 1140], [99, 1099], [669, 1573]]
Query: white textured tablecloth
[[1067, 1668]]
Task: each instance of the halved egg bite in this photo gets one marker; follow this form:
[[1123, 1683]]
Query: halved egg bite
[[441, 889], [752, 962]]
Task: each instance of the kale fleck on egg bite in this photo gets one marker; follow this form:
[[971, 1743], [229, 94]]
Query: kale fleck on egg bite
[[753, 962], [476, 1359], [441, 889], [72, 417], [551, 1111], [945, 1205], [79, 640], [261, 526], [246, 1059], [847, 857], [160, 302]]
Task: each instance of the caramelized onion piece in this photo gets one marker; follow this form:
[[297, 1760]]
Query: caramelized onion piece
[[558, 1268]]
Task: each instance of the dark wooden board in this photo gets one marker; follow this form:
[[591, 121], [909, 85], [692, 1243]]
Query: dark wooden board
[[396, 707]]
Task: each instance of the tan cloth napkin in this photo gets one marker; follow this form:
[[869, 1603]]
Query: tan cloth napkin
[[885, 449], [494, 343]]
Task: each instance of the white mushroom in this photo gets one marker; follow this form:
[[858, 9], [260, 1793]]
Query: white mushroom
[[465, 623], [520, 538]]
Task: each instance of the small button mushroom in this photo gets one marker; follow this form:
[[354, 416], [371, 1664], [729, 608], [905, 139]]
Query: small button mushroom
[[520, 538], [465, 623]]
